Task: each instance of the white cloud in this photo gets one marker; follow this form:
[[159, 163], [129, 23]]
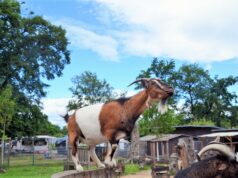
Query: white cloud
[[186, 29], [54, 108], [83, 38]]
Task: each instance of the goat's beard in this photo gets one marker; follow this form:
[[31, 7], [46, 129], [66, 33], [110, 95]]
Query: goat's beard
[[162, 106]]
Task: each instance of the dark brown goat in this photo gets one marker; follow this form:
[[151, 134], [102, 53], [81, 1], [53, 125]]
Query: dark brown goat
[[220, 166]]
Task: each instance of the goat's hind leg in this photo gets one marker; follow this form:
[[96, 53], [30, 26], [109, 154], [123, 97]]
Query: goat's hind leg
[[74, 153]]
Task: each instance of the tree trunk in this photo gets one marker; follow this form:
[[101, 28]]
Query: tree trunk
[[134, 150], [3, 136]]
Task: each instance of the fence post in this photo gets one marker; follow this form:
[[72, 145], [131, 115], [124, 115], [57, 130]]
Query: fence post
[[9, 151], [2, 153], [33, 150]]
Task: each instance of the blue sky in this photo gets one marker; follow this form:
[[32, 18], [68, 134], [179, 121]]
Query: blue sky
[[117, 39]]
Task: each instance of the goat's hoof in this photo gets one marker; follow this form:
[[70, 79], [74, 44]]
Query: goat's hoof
[[114, 163], [108, 163], [79, 168], [101, 166]]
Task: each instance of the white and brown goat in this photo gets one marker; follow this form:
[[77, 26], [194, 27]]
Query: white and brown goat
[[113, 120]]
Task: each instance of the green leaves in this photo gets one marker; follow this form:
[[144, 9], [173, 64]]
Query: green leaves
[[31, 49], [7, 106], [88, 89], [153, 122], [200, 98]]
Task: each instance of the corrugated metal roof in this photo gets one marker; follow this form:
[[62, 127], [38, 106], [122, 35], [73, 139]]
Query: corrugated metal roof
[[199, 126], [220, 134], [163, 137], [148, 137]]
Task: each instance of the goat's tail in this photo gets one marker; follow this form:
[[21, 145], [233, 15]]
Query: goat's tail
[[66, 117]]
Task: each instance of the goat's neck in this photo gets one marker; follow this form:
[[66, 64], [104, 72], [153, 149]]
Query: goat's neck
[[136, 105]]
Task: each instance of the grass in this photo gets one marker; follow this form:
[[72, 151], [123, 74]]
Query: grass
[[47, 170], [134, 168], [37, 171], [27, 159]]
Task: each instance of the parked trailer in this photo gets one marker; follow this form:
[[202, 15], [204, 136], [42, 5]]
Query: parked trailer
[[41, 144]]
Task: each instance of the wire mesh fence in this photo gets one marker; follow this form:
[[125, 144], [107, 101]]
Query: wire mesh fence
[[20, 153], [32, 151]]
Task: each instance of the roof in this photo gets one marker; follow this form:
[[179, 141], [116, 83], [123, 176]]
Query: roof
[[45, 136], [148, 137], [199, 126], [220, 134], [163, 137]]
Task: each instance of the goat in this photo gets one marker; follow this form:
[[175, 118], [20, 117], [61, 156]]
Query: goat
[[113, 120], [224, 165]]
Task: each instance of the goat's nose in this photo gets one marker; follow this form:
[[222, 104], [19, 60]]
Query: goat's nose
[[171, 91]]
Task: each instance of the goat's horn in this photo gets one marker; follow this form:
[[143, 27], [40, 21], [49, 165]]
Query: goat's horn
[[140, 80], [165, 87], [220, 147]]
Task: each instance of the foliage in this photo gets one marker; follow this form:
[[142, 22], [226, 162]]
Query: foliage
[[200, 98], [31, 49], [153, 122], [7, 106], [193, 83], [201, 122], [88, 89]]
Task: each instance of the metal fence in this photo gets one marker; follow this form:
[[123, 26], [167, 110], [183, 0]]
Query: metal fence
[[30, 156], [53, 154]]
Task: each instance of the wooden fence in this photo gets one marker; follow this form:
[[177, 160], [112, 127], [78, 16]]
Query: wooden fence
[[98, 173]]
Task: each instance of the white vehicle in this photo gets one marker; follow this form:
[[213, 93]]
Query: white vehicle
[[41, 144]]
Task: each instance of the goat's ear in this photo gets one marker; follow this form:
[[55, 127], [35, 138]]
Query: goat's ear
[[222, 167]]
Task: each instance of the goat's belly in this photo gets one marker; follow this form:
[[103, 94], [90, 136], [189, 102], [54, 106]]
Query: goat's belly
[[87, 119]]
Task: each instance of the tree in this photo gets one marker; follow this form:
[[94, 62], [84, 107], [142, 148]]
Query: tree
[[7, 105], [222, 100], [31, 49], [88, 89], [153, 122], [193, 84], [204, 100], [30, 121]]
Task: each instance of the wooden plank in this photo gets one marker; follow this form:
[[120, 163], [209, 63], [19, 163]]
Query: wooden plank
[[98, 173]]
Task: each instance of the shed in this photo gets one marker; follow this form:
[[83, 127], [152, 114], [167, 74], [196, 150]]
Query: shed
[[159, 147]]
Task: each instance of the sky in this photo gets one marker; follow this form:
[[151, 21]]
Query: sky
[[116, 39]]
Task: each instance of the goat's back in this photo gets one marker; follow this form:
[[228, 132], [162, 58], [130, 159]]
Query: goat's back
[[87, 119]]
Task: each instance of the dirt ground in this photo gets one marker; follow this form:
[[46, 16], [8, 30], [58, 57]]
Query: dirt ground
[[141, 174]]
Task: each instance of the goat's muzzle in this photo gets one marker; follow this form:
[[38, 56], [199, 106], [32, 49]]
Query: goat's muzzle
[[170, 91]]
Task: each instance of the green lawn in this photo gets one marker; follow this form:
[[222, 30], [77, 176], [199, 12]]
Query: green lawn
[[134, 168], [45, 171], [37, 171]]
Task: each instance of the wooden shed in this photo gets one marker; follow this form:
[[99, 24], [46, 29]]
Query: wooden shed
[[159, 147]]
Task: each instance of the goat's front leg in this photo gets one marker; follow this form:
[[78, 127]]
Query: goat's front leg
[[109, 159], [94, 157]]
